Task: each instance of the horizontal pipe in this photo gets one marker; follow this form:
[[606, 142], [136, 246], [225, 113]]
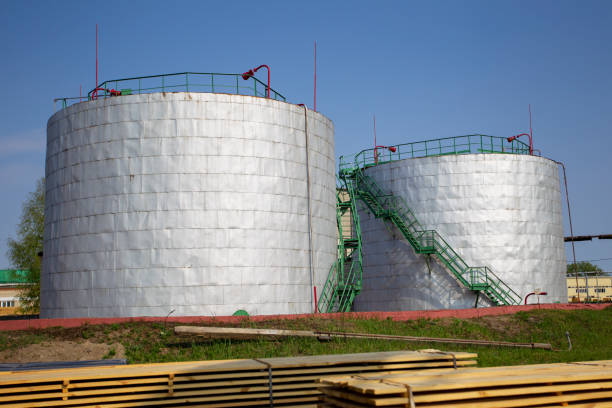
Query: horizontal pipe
[[587, 237]]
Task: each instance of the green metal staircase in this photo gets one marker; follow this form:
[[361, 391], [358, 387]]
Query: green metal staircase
[[345, 276], [394, 208]]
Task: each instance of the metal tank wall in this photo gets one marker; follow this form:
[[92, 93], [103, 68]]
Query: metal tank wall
[[195, 203], [497, 210]]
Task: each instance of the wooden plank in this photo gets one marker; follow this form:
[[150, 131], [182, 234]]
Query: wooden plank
[[330, 401], [30, 389], [527, 402], [241, 333], [545, 346], [598, 404], [356, 369], [512, 381], [377, 357], [452, 381], [604, 363], [178, 399], [305, 402], [519, 391], [399, 398], [137, 370]]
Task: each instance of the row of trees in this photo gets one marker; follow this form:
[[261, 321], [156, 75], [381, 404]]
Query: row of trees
[[24, 251], [582, 268]]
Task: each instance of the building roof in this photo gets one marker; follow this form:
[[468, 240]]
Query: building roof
[[12, 276]]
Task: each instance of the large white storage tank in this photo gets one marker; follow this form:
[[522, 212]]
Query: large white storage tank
[[196, 203], [498, 210]]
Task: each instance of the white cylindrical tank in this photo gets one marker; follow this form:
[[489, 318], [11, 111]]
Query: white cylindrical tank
[[498, 210], [195, 203]]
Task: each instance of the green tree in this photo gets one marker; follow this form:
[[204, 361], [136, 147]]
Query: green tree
[[582, 267], [23, 252]]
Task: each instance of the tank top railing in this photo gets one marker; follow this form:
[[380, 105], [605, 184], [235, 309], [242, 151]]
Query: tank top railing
[[205, 82], [436, 147]]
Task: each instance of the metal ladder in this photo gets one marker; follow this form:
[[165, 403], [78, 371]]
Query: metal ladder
[[345, 276]]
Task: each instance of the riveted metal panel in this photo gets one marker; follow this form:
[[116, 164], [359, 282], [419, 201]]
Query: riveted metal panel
[[191, 202], [501, 211]]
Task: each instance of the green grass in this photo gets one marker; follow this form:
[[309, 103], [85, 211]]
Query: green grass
[[590, 331]]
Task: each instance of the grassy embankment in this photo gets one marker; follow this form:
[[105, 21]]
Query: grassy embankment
[[590, 331]]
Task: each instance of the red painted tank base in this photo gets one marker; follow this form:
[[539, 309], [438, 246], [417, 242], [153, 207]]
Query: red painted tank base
[[398, 316]]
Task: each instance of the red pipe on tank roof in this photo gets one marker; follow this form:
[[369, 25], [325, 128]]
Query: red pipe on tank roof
[[530, 134], [376, 145], [315, 78], [95, 94], [252, 72], [512, 138]]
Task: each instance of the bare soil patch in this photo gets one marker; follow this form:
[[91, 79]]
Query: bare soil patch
[[62, 351]]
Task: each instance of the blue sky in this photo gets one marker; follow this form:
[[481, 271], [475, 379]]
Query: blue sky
[[426, 69]]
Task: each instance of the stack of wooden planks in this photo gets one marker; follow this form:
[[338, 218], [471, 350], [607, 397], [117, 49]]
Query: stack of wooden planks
[[583, 384], [290, 381]]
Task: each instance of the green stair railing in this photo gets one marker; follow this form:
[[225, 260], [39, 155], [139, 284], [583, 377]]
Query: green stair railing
[[344, 281], [394, 208]]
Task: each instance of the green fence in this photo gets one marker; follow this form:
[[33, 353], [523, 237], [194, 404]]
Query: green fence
[[179, 82], [436, 147]]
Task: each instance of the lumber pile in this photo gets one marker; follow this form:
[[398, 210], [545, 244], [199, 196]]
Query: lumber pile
[[583, 384], [290, 381]]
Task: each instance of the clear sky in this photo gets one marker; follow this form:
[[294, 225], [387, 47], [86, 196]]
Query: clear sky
[[427, 69]]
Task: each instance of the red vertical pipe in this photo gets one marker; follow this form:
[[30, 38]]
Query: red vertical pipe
[[530, 133], [268, 88], [375, 143], [250, 73], [315, 79], [96, 92], [315, 295]]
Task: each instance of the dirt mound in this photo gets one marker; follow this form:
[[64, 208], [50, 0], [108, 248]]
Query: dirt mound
[[62, 351]]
